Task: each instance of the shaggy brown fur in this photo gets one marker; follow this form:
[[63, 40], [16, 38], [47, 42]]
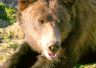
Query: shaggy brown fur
[[76, 20]]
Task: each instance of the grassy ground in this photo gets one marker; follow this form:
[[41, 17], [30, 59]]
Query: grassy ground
[[10, 38], [11, 35]]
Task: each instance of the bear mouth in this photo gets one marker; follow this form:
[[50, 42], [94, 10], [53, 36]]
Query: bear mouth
[[52, 55]]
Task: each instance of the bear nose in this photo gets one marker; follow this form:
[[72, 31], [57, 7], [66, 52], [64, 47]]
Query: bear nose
[[54, 48]]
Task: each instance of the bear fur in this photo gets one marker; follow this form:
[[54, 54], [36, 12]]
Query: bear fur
[[76, 22]]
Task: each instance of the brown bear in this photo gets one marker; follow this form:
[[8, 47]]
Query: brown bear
[[58, 34]]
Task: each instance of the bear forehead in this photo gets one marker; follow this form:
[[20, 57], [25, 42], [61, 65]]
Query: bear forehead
[[41, 7]]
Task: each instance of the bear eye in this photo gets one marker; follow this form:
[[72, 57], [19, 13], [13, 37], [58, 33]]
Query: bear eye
[[49, 18], [41, 21]]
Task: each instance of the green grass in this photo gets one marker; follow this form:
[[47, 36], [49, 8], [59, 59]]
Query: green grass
[[7, 13]]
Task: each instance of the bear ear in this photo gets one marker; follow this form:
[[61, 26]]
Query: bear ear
[[68, 3], [23, 4]]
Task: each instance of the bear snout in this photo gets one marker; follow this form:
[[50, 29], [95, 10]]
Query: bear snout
[[54, 47]]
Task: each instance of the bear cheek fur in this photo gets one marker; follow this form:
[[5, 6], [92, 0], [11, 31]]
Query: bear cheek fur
[[31, 32], [31, 35]]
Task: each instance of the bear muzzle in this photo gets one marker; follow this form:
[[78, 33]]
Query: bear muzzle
[[54, 48]]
